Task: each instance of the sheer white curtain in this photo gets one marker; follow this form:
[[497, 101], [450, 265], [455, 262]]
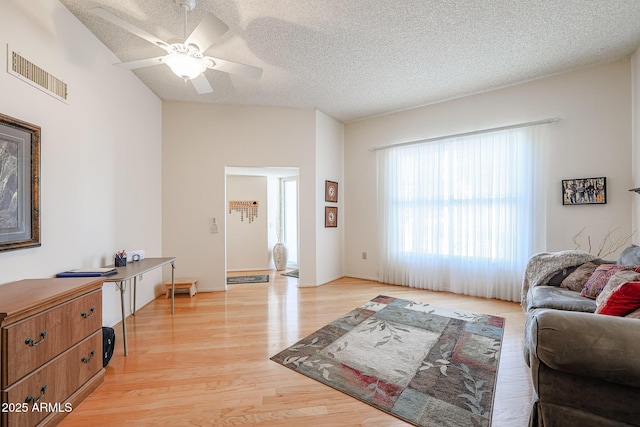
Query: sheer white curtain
[[462, 214]]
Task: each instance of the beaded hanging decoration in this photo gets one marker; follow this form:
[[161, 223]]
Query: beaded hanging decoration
[[248, 208]]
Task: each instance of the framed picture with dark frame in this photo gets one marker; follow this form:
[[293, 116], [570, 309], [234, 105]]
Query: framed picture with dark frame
[[19, 184], [330, 216], [584, 191], [330, 191]]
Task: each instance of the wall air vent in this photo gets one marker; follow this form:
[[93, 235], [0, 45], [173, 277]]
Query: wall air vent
[[27, 71]]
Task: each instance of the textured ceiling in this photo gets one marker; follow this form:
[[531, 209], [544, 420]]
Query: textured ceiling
[[353, 59]]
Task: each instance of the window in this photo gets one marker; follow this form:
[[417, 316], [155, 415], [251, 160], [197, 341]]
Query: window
[[290, 219], [457, 214]]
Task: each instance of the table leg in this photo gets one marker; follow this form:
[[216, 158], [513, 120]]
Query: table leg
[[124, 321], [135, 287], [173, 285]]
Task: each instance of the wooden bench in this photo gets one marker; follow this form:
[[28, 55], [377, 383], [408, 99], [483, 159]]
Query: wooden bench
[[189, 284]]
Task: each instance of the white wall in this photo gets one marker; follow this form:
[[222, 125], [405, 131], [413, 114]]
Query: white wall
[[593, 139], [247, 243], [100, 153], [635, 156], [199, 141], [330, 167]]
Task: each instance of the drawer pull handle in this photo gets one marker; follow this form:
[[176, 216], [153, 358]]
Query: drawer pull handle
[[32, 343], [31, 399], [87, 360], [85, 315]]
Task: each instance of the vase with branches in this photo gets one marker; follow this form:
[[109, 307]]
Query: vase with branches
[[610, 243]]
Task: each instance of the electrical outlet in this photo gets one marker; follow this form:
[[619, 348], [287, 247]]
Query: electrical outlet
[[364, 255]]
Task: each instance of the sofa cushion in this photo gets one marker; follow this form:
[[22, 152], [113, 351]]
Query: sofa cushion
[[616, 280], [634, 314], [559, 299], [576, 280], [624, 300], [543, 266], [600, 277], [630, 256]]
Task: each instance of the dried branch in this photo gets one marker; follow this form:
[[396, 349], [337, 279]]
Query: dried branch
[[609, 244], [575, 239]]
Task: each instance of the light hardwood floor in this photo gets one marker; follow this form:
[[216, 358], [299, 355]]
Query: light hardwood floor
[[208, 364]]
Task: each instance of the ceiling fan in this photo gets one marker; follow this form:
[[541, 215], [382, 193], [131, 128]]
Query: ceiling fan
[[187, 59]]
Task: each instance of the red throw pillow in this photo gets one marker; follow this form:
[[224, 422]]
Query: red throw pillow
[[623, 300]]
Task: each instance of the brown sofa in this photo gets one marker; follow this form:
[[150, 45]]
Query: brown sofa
[[585, 367]]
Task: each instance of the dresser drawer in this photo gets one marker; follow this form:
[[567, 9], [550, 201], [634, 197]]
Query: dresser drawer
[[39, 338], [54, 383]]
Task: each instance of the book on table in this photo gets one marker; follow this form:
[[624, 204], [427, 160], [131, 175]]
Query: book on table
[[89, 272]]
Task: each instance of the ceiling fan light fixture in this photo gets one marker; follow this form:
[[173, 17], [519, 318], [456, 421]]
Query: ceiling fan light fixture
[[184, 66]]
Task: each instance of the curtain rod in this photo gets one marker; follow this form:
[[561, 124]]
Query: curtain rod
[[475, 132]]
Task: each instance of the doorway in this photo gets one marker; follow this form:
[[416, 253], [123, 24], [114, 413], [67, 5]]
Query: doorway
[[277, 217]]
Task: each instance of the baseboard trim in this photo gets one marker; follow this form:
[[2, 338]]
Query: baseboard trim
[[373, 279]]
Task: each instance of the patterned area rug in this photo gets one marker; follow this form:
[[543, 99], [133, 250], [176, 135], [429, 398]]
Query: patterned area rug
[[428, 365], [234, 280]]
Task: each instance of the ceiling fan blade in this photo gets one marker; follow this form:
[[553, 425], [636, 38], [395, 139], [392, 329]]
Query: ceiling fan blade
[[235, 68], [201, 84], [141, 63], [208, 31], [108, 16]]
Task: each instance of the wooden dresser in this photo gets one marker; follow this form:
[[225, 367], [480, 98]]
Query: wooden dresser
[[51, 348]]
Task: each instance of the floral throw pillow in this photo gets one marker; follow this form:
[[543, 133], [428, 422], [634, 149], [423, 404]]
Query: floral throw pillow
[[600, 277], [624, 300]]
